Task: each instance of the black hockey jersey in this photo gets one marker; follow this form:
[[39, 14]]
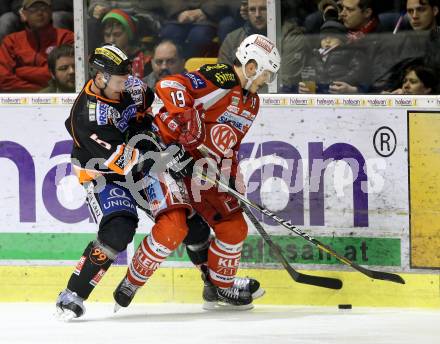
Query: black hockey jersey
[[99, 129]]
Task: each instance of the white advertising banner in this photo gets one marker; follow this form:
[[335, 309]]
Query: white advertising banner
[[325, 168], [336, 166]]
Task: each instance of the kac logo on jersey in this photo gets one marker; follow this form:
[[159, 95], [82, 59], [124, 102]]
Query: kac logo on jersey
[[196, 81], [223, 137]]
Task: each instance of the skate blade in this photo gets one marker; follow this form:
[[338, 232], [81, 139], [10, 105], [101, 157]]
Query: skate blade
[[218, 306], [65, 315], [116, 308], [259, 293]]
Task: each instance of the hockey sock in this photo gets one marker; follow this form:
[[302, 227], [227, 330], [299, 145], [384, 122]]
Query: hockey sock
[[223, 261], [146, 260], [93, 264], [166, 235]]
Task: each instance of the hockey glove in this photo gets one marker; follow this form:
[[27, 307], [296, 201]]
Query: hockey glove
[[192, 128], [139, 133], [181, 165]]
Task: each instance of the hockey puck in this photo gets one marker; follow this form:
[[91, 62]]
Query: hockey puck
[[345, 306]]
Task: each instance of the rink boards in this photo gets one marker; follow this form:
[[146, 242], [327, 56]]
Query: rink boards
[[359, 173]]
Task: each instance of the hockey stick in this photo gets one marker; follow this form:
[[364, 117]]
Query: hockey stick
[[319, 281], [386, 276]]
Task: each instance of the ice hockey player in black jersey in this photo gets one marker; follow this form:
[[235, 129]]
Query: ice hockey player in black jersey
[[111, 106]]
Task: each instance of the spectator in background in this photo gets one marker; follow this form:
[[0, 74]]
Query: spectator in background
[[97, 10], [61, 63], [23, 55], [235, 17], [409, 47], [62, 16], [292, 44], [120, 28], [360, 17], [193, 24], [256, 24], [148, 13], [417, 79], [334, 62], [9, 19], [422, 14], [167, 60], [327, 10]]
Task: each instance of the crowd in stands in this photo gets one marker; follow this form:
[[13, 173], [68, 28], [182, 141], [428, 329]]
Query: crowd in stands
[[327, 46]]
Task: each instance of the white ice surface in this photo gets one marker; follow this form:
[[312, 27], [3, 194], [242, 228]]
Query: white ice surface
[[180, 324]]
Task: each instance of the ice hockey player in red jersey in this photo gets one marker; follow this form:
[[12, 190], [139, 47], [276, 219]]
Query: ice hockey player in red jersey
[[211, 110]]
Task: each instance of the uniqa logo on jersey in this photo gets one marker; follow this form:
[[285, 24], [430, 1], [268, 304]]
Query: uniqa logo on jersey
[[116, 199]]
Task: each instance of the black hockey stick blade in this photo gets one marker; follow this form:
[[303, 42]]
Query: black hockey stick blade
[[319, 281], [380, 275], [385, 276]]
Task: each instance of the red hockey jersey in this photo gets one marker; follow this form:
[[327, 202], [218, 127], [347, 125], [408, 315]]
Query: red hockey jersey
[[228, 110]]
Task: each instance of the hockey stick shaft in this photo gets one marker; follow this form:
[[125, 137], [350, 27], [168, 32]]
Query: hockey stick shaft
[[325, 282], [386, 276]]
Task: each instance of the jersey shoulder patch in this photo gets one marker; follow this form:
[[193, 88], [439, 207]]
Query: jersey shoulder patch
[[220, 74]]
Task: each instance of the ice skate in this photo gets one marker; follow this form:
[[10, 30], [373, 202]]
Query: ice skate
[[238, 296], [251, 285], [124, 293], [69, 305]]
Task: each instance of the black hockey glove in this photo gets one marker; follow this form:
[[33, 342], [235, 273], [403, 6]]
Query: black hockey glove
[[181, 165], [139, 133], [173, 160]]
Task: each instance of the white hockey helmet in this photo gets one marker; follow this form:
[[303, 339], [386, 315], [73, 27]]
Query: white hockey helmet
[[264, 52]]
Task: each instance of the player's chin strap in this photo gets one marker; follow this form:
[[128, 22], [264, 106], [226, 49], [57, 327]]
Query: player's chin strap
[[249, 80], [106, 78]]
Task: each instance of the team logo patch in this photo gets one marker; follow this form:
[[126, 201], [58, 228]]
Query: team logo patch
[[97, 277], [127, 114], [235, 101], [238, 122], [102, 109], [135, 87], [115, 199], [97, 256], [223, 137], [264, 44], [172, 84], [92, 111], [125, 158], [224, 78], [196, 81], [233, 109]]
